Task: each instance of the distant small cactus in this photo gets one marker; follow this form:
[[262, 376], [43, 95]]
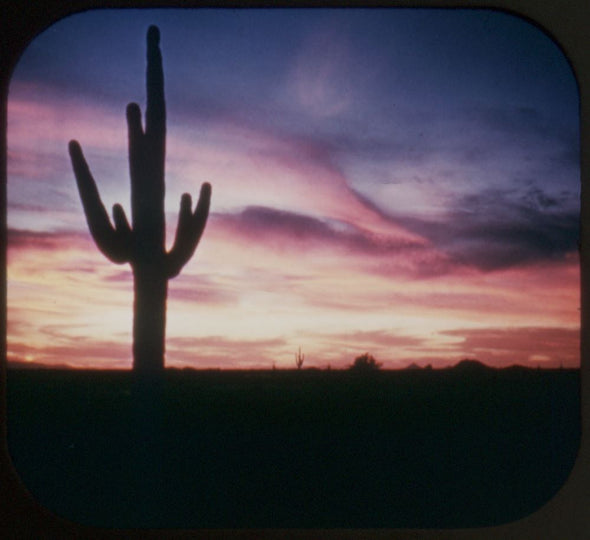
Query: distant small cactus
[[299, 359]]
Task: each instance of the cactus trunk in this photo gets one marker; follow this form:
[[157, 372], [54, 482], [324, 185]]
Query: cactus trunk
[[143, 246], [149, 319]]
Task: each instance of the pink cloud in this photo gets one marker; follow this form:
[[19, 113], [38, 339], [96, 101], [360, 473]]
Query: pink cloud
[[25, 240], [256, 166], [43, 121]]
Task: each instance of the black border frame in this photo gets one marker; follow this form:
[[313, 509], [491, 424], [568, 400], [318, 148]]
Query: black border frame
[[566, 515]]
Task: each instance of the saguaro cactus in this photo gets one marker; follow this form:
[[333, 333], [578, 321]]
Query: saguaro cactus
[[299, 359], [143, 244]]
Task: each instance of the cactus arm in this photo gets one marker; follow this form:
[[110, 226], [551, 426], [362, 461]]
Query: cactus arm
[[189, 230], [121, 224], [114, 243], [135, 138]]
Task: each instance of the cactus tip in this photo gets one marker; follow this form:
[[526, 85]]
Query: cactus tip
[[133, 110], [186, 200], [153, 35], [74, 147]]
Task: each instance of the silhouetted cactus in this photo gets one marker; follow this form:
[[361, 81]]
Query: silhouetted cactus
[[143, 245], [299, 359]]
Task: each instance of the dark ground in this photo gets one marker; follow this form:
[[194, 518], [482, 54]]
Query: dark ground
[[449, 448]]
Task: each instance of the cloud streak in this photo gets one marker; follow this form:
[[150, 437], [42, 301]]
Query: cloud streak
[[490, 231], [288, 228]]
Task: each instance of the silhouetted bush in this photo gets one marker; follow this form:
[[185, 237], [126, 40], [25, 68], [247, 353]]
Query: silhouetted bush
[[365, 363]]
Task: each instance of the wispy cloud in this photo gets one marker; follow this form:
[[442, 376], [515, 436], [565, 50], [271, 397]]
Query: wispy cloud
[[491, 230], [200, 290], [19, 239], [272, 225]]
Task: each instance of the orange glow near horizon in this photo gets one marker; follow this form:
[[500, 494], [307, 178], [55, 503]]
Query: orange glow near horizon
[[250, 306]]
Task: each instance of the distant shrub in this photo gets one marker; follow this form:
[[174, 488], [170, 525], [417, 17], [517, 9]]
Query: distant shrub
[[365, 363]]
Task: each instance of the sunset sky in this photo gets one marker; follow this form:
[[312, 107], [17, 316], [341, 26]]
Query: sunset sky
[[398, 182]]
